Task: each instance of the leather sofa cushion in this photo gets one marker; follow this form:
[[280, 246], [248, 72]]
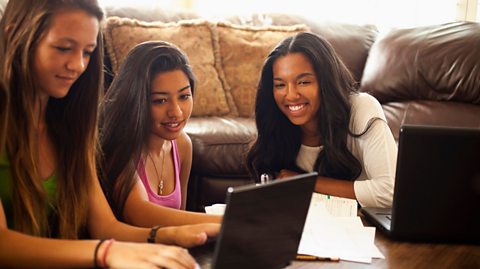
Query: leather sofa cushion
[[425, 112], [439, 62], [122, 34], [220, 144]]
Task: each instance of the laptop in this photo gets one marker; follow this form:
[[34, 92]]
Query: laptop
[[437, 187], [263, 223]]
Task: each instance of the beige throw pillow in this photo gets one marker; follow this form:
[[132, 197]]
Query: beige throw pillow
[[194, 37], [242, 50]]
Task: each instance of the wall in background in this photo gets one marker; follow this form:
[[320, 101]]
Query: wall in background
[[383, 13], [468, 10]]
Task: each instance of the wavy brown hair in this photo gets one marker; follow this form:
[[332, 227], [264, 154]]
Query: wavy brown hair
[[71, 121]]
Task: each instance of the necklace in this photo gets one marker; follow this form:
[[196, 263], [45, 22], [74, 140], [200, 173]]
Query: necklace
[[160, 178]]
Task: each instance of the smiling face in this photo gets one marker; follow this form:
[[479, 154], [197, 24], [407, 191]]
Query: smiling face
[[64, 51], [171, 105], [296, 89]]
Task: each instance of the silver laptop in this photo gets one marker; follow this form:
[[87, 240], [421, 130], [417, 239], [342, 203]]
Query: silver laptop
[[262, 224], [437, 187]]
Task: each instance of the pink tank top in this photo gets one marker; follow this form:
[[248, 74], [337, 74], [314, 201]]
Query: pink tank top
[[172, 200]]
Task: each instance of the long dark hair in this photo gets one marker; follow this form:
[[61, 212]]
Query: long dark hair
[[71, 121], [278, 141], [3, 114], [125, 119]]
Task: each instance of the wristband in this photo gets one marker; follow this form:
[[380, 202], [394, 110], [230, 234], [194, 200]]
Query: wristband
[[95, 253], [104, 256], [153, 234]]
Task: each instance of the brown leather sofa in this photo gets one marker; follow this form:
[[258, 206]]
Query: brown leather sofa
[[425, 75]]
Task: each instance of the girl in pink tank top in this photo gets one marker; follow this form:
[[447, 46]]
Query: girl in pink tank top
[[147, 155]]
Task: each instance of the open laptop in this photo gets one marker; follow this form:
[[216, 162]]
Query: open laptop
[[437, 187], [262, 224]]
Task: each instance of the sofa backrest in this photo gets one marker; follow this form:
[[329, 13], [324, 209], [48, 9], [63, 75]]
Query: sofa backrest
[[239, 47], [351, 42], [437, 62], [427, 75]]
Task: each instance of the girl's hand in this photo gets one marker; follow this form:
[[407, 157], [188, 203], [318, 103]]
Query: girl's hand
[[135, 255], [286, 173], [188, 235]]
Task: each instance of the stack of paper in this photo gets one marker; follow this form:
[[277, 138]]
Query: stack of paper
[[333, 230]]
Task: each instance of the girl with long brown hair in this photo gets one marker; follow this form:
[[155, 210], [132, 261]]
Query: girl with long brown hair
[[146, 155]]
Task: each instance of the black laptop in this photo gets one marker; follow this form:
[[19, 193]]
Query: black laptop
[[437, 187], [262, 224]]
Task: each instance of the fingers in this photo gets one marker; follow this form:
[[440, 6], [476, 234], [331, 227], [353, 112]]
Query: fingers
[[286, 173], [193, 235], [282, 174], [207, 230], [146, 256], [173, 257], [211, 229], [201, 238]]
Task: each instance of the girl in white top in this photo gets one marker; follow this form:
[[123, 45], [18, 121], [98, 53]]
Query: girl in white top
[[310, 117]]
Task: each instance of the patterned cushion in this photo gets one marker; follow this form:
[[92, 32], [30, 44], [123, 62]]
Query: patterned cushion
[[194, 37], [242, 50]]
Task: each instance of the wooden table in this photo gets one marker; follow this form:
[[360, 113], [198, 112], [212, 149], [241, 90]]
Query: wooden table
[[397, 255], [410, 255]]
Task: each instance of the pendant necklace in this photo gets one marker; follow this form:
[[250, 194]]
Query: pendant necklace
[[160, 178]]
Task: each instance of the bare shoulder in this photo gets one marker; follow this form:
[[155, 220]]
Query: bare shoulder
[[184, 143]]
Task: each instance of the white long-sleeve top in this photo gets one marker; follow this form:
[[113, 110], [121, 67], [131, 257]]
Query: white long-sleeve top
[[376, 151]]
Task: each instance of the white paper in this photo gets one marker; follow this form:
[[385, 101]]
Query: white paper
[[215, 209], [336, 206], [333, 230]]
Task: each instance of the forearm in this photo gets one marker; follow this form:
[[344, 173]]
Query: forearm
[[336, 187], [124, 232], [102, 224], [185, 236], [24, 251], [119, 231], [151, 215]]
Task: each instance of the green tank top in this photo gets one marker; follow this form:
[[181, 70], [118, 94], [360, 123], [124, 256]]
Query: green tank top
[[6, 191]]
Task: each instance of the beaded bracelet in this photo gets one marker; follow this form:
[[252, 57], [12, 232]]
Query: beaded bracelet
[[153, 234], [95, 253], [104, 256]]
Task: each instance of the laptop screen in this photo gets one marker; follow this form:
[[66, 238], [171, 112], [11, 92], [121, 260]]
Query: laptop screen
[[263, 224], [437, 185]]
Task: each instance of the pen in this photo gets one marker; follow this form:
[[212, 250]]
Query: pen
[[301, 257]]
